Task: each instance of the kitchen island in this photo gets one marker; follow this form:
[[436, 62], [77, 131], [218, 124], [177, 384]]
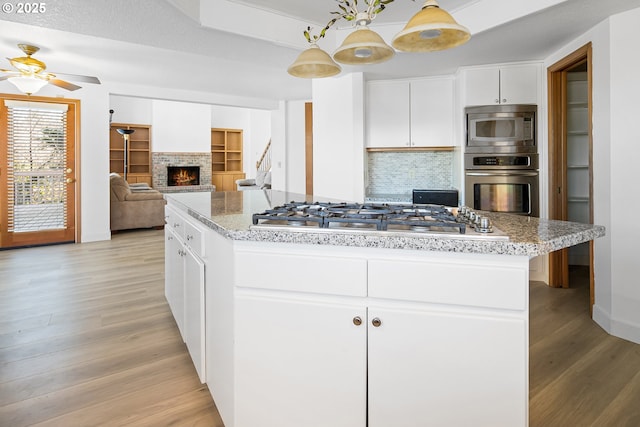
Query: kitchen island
[[319, 327]]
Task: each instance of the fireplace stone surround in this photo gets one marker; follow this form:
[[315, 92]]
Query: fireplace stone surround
[[161, 160]]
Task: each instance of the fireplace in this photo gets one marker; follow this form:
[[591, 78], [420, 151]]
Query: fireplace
[[183, 175]]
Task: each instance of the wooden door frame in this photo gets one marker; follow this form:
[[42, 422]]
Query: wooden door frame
[[557, 95], [308, 144], [73, 129]]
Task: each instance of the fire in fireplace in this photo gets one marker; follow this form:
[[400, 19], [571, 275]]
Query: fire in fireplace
[[183, 175]]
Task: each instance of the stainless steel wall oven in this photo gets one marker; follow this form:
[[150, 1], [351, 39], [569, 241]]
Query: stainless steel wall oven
[[501, 159], [502, 183]]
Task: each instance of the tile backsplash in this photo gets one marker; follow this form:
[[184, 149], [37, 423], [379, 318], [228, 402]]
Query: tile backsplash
[[397, 172]]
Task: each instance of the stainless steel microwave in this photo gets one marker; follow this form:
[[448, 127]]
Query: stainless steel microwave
[[501, 129]]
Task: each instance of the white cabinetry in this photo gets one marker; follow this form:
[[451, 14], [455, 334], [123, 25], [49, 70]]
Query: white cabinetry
[[417, 113], [514, 84], [299, 362], [431, 335], [185, 283]]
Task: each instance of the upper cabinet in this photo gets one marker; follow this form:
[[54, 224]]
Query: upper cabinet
[[513, 84], [416, 113]]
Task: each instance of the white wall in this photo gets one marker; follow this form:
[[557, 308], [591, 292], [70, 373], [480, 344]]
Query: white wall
[[180, 127], [338, 137], [625, 150], [615, 148], [130, 110]]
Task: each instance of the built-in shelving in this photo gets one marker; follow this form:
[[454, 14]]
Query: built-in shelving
[[578, 169], [138, 154], [226, 158]]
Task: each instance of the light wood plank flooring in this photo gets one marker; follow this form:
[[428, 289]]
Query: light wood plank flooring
[[87, 339]]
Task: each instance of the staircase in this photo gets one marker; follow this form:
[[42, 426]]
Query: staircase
[[264, 163]]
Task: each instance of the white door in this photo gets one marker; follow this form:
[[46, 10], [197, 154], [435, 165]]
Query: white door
[[430, 368], [299, 363]]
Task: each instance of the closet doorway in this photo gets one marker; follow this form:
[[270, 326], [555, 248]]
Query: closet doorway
[[570, 162]]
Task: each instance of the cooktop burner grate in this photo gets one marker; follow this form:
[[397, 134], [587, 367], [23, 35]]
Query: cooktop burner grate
[[375, 216]]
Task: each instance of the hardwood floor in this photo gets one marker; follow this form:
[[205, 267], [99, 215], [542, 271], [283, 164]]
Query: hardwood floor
[[579, 374], [87, 339]]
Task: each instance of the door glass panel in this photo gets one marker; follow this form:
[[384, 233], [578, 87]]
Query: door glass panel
[[37, 190]]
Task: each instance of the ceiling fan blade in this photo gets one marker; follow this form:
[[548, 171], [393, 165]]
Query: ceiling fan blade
[[63, 84], [78, 78]]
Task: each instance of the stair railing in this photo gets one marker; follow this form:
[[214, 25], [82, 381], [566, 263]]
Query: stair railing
[[264, 163]]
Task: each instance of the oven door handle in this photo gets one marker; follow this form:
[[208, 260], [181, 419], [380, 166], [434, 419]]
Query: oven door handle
[[505, 173]]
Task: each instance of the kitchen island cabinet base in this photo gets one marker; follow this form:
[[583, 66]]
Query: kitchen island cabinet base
[[395, 348]]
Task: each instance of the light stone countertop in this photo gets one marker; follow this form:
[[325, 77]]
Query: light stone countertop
[[230, 214]]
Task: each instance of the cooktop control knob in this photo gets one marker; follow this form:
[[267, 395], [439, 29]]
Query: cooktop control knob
[[483, 225]]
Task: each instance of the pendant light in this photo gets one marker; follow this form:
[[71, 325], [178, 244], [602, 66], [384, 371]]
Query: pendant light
[[314, 63], [363, 46], [430, 30]]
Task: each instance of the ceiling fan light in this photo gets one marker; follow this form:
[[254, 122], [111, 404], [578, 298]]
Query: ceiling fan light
[[431, 29], [363, 46], [28, 84], [314, 63]]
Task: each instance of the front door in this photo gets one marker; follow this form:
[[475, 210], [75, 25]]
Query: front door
[[37, 170]]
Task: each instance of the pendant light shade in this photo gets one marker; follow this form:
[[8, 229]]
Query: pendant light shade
[[314, 63], [363, 46], [430, 30], [28, 84]]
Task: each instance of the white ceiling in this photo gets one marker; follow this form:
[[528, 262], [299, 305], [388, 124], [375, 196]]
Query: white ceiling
[[152, 42], [319, 11]]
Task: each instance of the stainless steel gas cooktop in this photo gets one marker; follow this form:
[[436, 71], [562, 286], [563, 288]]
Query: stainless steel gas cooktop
[[421, 219]]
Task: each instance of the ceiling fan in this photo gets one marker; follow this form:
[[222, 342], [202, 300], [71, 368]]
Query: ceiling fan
[[30, 76]]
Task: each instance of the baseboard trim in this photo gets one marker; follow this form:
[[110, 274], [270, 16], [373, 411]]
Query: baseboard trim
[[621, 329]]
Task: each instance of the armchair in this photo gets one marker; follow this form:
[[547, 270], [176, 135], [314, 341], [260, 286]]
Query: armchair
[[133, 207]]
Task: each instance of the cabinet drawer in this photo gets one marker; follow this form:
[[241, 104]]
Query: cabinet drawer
[[302, 273], [175, 222], [193, 238], [485, 286]]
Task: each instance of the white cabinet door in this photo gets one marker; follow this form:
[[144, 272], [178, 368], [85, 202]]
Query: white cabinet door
[[516, 84], [482, 86], [432, 113], [388, 114], [410, 114], [519, 84], [299, 363], [439, 368], [194, 317], [174, 278]]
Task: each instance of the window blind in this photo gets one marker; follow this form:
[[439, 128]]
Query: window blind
[[37, 159]]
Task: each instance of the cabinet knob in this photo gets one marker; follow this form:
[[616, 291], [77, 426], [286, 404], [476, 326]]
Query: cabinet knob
[[357, 321], [504, 100], [497, 101], [376, 322], [176, 224], [189, 237], [170, 238]]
